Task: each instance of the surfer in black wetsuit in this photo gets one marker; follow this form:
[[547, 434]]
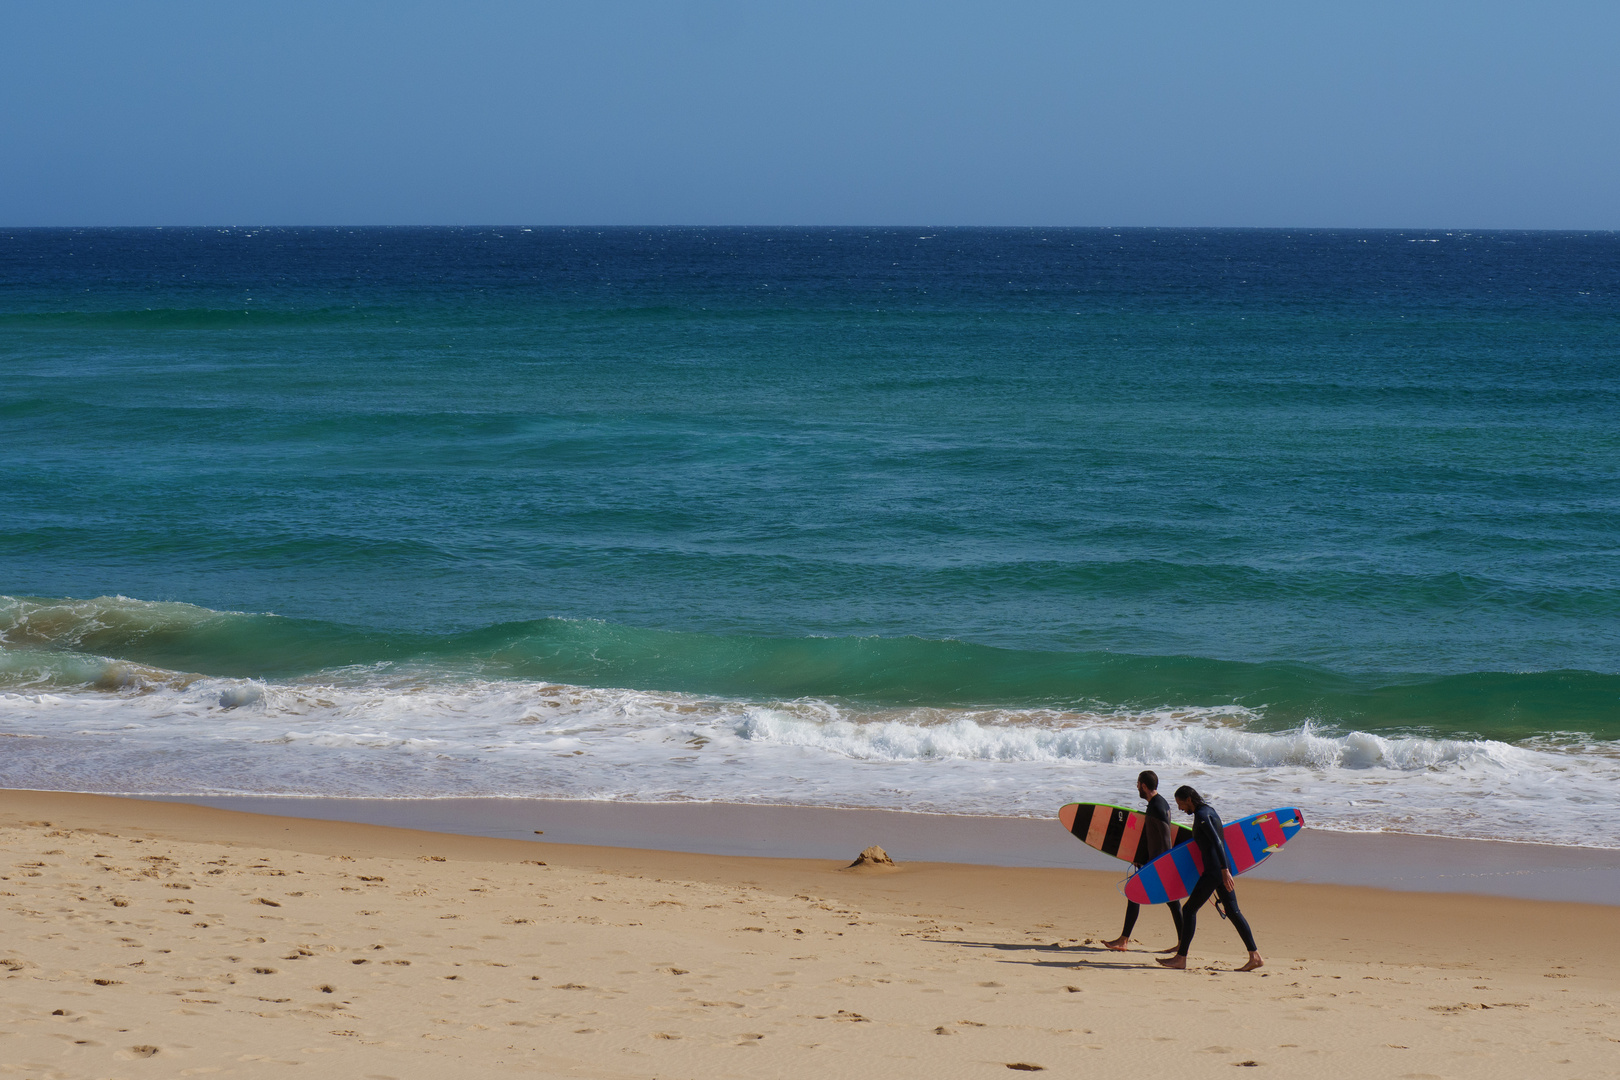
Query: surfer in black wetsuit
[[1216, 880], [1158, 836]]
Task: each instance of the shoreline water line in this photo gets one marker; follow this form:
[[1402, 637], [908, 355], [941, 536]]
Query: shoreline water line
[[1395, 862], [366, 714], [422, 738]]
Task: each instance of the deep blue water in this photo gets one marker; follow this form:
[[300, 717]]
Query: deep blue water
[[1361, 479]]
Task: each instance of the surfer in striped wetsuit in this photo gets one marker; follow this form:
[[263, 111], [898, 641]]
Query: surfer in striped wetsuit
[[1156, 840], [1216, 881]]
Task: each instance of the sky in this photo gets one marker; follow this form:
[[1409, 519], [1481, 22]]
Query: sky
[[1370, 114]]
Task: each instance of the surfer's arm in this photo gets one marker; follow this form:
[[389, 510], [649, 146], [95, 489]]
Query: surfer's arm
[[1209, 842], [1215, 854]]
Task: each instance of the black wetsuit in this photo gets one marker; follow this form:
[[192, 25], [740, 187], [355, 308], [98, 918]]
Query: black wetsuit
[[1158, 811], [1207, 835]]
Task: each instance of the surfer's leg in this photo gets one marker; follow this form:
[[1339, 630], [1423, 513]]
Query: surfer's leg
[[1132, 910], [1189, 919], [1229, 900], [1175, 917]]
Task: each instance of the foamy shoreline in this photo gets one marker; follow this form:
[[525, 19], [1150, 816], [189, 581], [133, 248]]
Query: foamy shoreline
[[437, 738]]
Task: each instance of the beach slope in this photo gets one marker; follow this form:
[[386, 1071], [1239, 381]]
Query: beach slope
[[147, 939]]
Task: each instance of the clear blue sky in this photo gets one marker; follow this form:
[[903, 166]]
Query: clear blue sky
[[1409, 114]]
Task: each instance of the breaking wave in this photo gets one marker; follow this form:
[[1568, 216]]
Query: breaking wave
[[397, 731], [65, 643]]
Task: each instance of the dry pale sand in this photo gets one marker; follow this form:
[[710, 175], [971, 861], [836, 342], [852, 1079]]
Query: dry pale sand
[[152, 939]]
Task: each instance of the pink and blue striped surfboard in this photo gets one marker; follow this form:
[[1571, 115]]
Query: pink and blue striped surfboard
[[1250, 841]]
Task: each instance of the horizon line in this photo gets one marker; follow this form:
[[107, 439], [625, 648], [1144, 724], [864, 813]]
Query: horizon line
[[1448, 229]]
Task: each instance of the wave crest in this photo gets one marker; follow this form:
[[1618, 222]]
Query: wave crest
[[869, 673], [1165, 742]]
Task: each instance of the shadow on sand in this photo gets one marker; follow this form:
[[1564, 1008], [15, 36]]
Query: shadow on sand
[[1078, 956]]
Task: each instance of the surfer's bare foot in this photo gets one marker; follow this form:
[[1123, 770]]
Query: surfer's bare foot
[[1254, 962], [1118, 944], [1177, 963]]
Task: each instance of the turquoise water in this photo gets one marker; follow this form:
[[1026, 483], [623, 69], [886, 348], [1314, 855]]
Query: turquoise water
[[1208, 485]]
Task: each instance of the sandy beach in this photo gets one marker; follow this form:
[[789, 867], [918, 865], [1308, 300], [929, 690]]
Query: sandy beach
[[158, 939]]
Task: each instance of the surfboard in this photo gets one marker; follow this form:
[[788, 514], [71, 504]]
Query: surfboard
[[1249, 842], [1112, 830]]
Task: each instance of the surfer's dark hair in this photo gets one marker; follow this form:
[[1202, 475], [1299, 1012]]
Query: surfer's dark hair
[[1148, 779], [1185, 792]]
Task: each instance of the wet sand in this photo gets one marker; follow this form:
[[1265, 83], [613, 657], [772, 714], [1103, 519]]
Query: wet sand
[[159, 939], [1381, 860]]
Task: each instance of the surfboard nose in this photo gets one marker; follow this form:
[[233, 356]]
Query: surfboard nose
[[1066, 815]]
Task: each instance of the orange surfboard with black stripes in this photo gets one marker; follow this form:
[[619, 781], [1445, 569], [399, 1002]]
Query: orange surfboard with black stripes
[[1112, 830]]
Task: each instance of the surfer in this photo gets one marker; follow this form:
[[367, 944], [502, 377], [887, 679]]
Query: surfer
[[1158, 836], [1216, 880]]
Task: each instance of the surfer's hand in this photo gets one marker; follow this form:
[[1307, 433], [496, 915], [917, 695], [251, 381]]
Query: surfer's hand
[[1226, 879]]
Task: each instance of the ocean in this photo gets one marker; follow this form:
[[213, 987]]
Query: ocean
[[959, 520]]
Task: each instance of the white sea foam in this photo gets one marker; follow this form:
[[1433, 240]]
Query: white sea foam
[[357, 734]]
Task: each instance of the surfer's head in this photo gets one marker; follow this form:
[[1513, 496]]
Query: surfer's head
[[1147, 783], [1188, 799]]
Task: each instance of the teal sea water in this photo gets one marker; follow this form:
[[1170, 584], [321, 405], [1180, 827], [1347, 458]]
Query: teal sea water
[[974, 520]]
